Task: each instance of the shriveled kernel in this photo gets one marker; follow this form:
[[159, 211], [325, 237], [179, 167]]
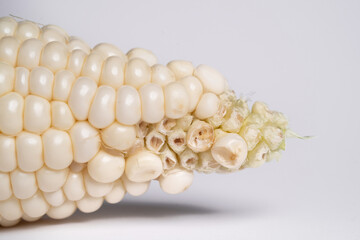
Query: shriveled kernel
[[233, 121], [142, 129], [189, 159], [207, 163], [154, 141], [165, 125], [273, 136], [184, 122], [261, 109], [200, 136], [258, 155], [177, 140], [168, 158], [251, 135]]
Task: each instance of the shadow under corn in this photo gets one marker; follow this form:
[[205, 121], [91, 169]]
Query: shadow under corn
[[134, 210]]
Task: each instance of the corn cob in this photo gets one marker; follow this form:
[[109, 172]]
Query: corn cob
[[79, 126]]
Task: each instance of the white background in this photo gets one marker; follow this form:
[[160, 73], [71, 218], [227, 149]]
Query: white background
[[301, 57]]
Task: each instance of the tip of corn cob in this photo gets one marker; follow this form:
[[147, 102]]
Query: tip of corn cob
[[81, 125]]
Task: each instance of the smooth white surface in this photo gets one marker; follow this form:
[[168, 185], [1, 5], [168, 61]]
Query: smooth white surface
[[301, 57]]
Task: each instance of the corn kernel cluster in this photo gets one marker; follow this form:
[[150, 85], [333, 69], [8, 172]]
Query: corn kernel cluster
[[81, 125]]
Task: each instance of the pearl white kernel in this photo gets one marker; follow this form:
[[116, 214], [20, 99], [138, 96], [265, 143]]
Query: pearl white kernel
[[176, 100]]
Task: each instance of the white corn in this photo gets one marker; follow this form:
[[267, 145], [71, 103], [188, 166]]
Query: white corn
[[143, 166], [181, 68], [143, 54], [50, 180], [118, 136], [117, 192], [81, 125], [176, 180], [106, 168], [56, 198], [137, 73], [176, 100], [162, 75], [89, 204], [135, 188]]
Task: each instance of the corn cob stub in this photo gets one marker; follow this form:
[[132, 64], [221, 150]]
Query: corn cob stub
[[81, 125]]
